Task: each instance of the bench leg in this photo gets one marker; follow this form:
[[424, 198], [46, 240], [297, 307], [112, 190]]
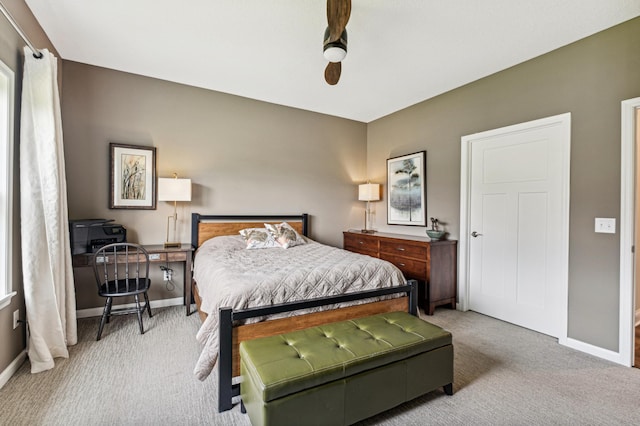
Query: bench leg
[[243, 410], [448, 389]]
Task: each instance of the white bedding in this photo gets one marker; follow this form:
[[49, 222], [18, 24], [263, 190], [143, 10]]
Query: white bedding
[[229, 275]]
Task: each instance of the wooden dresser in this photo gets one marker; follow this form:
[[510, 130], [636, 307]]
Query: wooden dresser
[[433, 263]]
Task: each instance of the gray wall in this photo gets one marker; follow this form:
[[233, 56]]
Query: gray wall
[[589, 79], [243, 156], [12, 342]]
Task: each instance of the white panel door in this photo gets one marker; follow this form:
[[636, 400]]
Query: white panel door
[[517, 212]]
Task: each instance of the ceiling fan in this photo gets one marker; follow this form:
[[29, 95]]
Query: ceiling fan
[[335, 38]]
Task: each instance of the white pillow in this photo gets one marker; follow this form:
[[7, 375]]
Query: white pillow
[[284, 235], [258, 238]]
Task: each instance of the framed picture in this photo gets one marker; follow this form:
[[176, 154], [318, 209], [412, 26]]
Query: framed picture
[[407, 189], [133, 177]]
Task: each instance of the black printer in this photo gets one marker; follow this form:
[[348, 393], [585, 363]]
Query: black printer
[[88, 235]]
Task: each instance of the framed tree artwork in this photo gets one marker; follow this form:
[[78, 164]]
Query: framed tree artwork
[[406, 189], [133, 177]]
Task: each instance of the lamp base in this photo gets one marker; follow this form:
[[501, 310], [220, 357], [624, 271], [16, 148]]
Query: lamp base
[[169, 245], [367, 231]]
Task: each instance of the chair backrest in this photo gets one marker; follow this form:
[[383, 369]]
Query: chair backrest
[[121, 268]]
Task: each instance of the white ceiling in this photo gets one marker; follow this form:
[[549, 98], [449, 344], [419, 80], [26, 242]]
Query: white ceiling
[[400, 52]]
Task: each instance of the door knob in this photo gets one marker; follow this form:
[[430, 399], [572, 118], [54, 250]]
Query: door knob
[[474, 234]]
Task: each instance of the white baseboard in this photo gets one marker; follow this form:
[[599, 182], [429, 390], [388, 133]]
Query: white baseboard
[[595, 351], [96, 312], [12, 368]]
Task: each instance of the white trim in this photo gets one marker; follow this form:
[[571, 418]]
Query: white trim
[[6, 299], [96, 312], [465, 194], [627, 231], [592, 350], [12, 368], [463, 240], [6, 165]]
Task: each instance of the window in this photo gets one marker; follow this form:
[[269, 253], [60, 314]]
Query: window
[[6, 182]]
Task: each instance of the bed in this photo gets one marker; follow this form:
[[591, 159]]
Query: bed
[[243, 294]]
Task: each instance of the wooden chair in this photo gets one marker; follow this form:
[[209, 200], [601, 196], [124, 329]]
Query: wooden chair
[[122, 270]]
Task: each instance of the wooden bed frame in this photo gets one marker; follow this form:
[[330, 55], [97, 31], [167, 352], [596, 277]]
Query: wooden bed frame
[[204, 227]]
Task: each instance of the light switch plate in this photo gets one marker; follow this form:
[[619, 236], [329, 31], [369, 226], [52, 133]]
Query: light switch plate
[[606, 225]]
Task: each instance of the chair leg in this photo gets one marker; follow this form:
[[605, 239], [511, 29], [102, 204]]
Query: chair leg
[[109, 309], [148, 306], [105, 316], [139, 312]]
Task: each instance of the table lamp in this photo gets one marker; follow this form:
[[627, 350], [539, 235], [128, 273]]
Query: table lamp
[[368, 192], [173, 189]]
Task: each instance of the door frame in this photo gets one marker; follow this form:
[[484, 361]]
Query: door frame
[[465, 198], [627, 231]]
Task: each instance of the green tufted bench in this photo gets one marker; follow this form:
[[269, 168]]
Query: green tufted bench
[[343, 372]]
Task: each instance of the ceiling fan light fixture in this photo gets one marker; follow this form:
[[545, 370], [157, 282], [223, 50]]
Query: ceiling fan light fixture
[[335, 53]]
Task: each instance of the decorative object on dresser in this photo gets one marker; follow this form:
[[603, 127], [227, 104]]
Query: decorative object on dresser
[[132, 177], [432, 263], [434, 233], [173, 189], [368, 192], [407, 189]]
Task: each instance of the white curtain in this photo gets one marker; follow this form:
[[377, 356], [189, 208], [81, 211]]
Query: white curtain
[[46, 254]]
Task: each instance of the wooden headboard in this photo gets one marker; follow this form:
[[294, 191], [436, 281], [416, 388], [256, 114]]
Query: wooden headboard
[[204, 227]]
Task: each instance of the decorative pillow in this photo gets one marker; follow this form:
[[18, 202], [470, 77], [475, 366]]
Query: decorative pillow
[[284, 235], [258, 238]]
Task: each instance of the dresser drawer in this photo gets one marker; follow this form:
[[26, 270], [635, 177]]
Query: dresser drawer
[[361, 244], [410, 268], [399, 248]]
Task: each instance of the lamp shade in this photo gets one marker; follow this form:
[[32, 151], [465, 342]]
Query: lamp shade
[[369, 192], [173, 189]]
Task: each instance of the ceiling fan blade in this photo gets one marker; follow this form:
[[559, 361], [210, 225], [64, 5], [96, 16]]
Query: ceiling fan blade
[[332, 72], [338, 12]]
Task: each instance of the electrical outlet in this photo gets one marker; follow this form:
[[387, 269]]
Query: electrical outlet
[[167, 274], [16, 318], [606, 225]]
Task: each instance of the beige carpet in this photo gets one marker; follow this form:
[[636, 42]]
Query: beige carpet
[[504, 375]]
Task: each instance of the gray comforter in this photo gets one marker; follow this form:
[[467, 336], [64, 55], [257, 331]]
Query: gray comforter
[[230, 275]]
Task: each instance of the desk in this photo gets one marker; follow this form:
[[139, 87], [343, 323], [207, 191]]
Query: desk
[[157, 254]]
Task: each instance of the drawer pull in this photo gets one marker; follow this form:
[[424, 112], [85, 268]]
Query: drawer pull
[[400, 248], [360, 242], [401, 264]]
